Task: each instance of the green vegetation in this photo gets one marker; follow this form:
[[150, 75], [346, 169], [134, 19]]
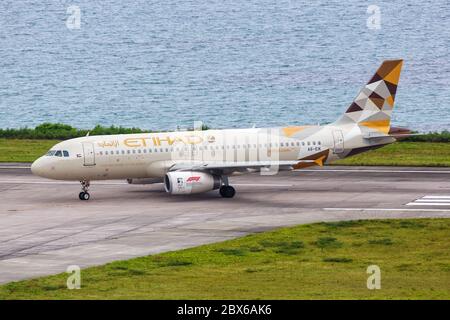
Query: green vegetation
[[63, 132], [443, 136], [397, 154], [26, 145], [14, 150], [317, 261], [403, 154], [430, 149]]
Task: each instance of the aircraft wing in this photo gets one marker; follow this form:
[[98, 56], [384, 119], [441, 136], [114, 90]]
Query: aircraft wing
[[226, 167]]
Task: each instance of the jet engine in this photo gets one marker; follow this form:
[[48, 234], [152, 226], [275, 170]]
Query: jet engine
[[188, 182], [144, 180]]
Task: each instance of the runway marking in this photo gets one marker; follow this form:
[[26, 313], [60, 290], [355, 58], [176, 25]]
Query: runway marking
[[373, 171], [57, 182], [316, 170], [431, 201], [125, 183], [386, 209], [436, 197], [263, 185], [428, 204]]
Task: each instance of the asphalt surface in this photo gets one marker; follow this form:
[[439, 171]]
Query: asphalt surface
[[44, 228]]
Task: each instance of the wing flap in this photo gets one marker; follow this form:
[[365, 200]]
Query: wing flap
[[239, 165]]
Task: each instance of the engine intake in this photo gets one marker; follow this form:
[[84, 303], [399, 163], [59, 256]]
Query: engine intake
[[188, 182]]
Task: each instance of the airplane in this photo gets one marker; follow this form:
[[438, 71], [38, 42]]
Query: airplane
[[190, 162]]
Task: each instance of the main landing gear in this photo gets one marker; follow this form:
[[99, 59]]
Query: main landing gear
[[226, 191], [84, 194]]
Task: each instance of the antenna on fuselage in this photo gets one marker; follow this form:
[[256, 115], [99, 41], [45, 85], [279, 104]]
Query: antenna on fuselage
[[87, 134]]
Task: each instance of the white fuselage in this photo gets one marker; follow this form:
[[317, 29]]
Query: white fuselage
[[150, 155]]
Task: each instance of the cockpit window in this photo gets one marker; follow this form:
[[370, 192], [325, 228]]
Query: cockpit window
[[58, 153]]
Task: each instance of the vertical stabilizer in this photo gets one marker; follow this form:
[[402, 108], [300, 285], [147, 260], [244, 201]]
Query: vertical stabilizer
[[373, 106]]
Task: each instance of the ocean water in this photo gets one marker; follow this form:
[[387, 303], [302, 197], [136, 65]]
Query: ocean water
[[228, 63]]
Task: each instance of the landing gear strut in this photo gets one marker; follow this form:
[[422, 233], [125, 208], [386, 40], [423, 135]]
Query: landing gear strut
[[84, 194], [226, 191]]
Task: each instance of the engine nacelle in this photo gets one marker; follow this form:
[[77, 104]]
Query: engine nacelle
[[144, 180], [188, 182]]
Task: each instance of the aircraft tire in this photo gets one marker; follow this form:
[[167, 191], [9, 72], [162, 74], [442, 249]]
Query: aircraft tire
[[227, 191], [84, 196]]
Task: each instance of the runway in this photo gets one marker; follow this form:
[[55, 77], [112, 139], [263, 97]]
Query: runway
[[44, 228]]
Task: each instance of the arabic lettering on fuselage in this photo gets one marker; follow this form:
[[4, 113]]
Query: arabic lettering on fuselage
[[108, 144]]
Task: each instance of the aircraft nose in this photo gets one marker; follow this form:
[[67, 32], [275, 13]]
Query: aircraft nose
[[38, 167]]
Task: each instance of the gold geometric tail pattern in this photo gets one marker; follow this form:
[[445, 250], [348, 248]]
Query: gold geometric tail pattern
[[373, 106]]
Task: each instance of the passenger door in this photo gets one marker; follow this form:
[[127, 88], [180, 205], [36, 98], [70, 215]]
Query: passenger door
[[338, 138], [89, 154]]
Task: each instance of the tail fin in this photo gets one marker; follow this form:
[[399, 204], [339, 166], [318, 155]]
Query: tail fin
[[373, 106]]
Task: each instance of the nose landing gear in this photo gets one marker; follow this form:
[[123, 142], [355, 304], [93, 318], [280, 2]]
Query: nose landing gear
[[84, 194]]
